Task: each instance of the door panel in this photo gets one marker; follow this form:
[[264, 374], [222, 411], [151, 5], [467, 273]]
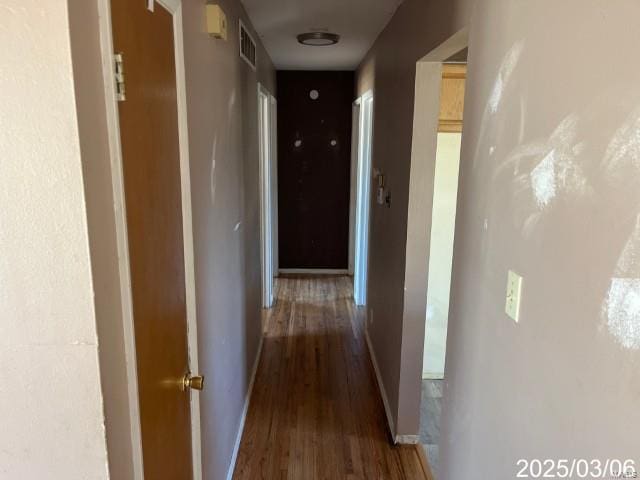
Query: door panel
[[151, 167], [314, 163]]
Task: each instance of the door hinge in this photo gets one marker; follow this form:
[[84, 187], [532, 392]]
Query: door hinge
[[119, 75]]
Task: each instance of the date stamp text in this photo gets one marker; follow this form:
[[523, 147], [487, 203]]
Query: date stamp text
[[608, 469]]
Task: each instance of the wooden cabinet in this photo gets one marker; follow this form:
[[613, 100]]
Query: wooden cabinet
[[452, 97]]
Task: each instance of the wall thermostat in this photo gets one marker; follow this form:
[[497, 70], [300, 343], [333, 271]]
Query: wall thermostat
[[216, 22]]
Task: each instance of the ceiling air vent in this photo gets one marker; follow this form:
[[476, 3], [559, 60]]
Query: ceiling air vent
[[247, 46]]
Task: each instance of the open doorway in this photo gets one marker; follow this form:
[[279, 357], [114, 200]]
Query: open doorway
[[443, 215], [361, 195], [268, 197]]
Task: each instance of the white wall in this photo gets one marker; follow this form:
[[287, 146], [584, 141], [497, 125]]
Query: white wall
[[50, 396], [443, 223]]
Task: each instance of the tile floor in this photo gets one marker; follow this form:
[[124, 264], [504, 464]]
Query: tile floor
[[430, 410]]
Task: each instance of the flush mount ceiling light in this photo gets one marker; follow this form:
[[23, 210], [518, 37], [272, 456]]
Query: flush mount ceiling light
[[318, 39]]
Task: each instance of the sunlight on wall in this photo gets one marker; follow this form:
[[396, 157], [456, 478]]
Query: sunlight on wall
[[548, 174], [543, 180], [621, 307], [495, 99], [558, 172], [625, 146], [546, 170], [506, 70], [622, 311], [229, 126], [213, 168]]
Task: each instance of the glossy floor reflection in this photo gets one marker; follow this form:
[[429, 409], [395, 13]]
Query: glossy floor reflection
[[315, 411]]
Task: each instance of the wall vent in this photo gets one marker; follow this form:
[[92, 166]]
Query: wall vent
[[247, 46]]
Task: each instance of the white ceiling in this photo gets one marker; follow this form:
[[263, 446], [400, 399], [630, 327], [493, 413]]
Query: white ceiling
[[358, 22]]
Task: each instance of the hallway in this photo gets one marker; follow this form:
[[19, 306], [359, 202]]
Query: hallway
[[315, 410]]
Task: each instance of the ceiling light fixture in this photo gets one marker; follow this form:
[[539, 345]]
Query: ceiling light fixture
[[318, 39]]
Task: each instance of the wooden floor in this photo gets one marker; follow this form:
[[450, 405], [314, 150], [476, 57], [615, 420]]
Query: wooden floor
[[315, 411]]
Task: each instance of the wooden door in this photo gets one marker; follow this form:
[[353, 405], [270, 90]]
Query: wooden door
[[151, 168], [314, 166]]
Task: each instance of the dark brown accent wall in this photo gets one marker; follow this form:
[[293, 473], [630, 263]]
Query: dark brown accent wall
[[314, 158]]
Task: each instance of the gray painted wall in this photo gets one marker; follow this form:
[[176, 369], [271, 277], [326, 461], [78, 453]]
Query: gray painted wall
[[223, 147], [389, 69], [549, 173], [549, 187]]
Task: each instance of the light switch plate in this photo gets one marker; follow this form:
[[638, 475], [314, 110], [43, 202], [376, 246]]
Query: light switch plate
[[514, 293]]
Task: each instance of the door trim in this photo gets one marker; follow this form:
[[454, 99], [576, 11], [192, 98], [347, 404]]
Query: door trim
[[265, 153], [174, 7], [355, 141], [274, 186], [363, 202]]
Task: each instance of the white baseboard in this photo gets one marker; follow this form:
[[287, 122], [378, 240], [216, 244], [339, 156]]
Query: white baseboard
[[407, 439], [383, 392], [314, 271], [243, 418], [397, 439]]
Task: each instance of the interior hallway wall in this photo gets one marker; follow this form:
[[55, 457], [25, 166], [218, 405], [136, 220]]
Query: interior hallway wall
[[223, 145], [314, 166], [548, 187], [389, 69], [50, 392]]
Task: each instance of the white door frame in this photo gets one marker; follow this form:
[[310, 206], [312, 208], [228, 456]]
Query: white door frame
[[106, 42], [265, 142], [274, 186], [355, 139], [363, 197]]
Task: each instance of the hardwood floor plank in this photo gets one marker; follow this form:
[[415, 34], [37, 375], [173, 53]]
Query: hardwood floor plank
[[315, 411]]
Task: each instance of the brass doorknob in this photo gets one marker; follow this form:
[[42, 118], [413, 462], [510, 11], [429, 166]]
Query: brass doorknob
[[195, 382]]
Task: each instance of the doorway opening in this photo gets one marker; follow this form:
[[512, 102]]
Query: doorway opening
[[268, 197], [443, 215], [361, 195]]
